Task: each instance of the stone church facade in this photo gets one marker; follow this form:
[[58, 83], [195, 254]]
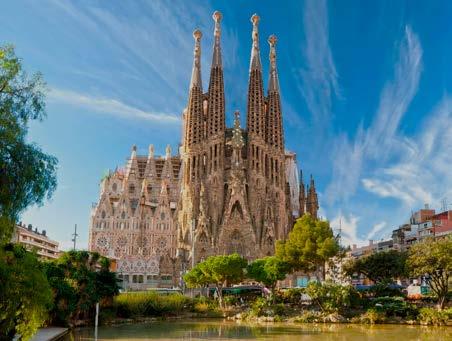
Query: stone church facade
[[229, 189]]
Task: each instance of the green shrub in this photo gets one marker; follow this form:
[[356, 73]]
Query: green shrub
[[264, 307], [385, 289], [230, 300], [371, 316], [394, 307], [332, 297], [292, 295], [431, 316]]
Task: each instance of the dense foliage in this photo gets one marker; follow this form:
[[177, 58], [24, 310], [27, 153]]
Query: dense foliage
[[27, 174], [331, 297], [380, 267], [25, 294], [79, 280], [309, 245], [268, 271], [433, 258], [220, 271]]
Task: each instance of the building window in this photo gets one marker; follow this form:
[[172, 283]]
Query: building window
[[132, 189], [114, 187]]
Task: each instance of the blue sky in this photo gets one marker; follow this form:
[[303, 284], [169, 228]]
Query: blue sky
[[365, 88]]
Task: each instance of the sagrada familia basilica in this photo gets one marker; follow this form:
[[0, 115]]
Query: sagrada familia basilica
[[228, 189]]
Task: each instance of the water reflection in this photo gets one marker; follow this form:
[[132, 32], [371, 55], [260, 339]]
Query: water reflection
[[221, 330]]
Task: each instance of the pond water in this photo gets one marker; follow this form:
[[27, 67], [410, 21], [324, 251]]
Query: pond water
[[228, 330]]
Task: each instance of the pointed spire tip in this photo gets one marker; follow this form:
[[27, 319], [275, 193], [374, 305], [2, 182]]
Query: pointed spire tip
[[255, 19], [272, 40], [197, 34], [217, 16]]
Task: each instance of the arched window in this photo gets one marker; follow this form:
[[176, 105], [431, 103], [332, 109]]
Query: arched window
[[114, 187], [103, 214]]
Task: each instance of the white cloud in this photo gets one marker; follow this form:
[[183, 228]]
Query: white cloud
[[421, 170], [159, 34], [396, 97], [319, 79], [380, 139], [376, 230], [108, 106], [349, 229]]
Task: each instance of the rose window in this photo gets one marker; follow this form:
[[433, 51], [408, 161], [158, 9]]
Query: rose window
[[102, 242]]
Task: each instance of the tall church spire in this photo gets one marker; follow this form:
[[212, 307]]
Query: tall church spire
[[302, 196], [274, 129], [256, 115], [312, 202], [216, 105], [194, 119]]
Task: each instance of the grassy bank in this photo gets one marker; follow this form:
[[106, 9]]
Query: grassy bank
[[142, 305]]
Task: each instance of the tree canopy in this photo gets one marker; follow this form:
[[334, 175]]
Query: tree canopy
[[309, 245], [27, 174], [219, 270], [25, 294], [268, 270], [380, 267], [79, 279], [433, 258]]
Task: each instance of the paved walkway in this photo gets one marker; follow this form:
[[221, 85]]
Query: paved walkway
[[49, 333]]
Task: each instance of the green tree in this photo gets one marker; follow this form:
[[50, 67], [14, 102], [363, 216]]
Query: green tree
[[268, 271], [380, 267], [433, 258], [25, 294], [309, 245], [220, 271], [27, 175], [79, 280]]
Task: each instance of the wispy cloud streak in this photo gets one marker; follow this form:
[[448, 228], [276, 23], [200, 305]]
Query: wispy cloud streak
[[380, 139], [319, 78], [421, 170], [109, 106]]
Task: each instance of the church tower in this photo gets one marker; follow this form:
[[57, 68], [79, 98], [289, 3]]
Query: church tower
[[193, 157], [312, 202], [215, 144]]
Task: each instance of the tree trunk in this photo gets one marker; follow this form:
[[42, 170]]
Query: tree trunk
[[220, 296]]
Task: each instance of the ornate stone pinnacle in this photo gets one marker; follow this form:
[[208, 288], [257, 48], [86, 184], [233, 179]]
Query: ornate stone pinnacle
[[255, 19], [197, 34], [237, 119], [272, 40], [217, 16]]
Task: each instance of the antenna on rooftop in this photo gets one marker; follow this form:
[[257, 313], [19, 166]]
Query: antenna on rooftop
[[444, 204], [75, 235]]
